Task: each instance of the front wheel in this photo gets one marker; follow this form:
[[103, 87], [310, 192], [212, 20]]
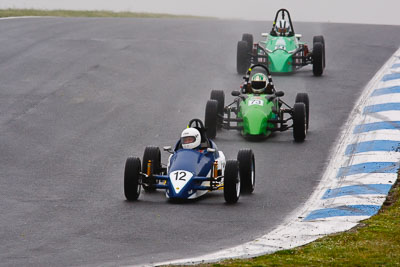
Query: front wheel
[[242, 57], [320, 39], [247, 170], [151, 153], [299, 122], [211, 118], [318, 59], [303, 98], [231, 182], [132, 179]]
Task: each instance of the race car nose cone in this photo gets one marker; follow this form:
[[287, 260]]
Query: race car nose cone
[[179, 179], [279, 61]]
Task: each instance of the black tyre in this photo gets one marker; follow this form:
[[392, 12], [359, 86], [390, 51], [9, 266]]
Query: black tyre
[[318, 59], [299, 122], [249, 39], [132, 178], [247, 171], [321, 39], [318, 39], [151, 153], [219, 96], [231, 181], [211, 118], [242, 57], [303, 98]]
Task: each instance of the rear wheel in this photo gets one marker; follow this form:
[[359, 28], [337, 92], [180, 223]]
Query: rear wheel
[[318, 59], [249, 39], [151, 153], [247, 171], [303, 98], [299, 122], [132, 178], [219, 96], [231, 182], [242, 57], [211, 118]]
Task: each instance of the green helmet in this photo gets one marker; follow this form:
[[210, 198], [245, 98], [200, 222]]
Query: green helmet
[[259, 82]]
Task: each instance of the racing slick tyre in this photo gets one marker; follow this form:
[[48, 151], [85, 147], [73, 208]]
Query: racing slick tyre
[[299, 122], [249, 39], [320, 39], [247, 171], [151, 153], [303, 98], [242, 57], [318, 59], [219, 96], [231, 182], [132, 179], [211, 118]]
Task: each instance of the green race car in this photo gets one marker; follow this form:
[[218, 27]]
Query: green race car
[[257, 109], [282, 51]]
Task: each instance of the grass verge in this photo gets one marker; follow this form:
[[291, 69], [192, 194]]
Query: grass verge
[[374, 242], [76, 13]]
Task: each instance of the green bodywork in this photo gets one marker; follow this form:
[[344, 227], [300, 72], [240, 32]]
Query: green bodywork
[[280, 50], [255, 111]]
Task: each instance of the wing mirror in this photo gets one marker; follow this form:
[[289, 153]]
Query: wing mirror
[[235, 93], [167, 149], [265, 34], [279, 93], [298, 36], [210, 150]]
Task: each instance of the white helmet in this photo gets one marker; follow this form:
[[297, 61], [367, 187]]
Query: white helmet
[[282, 27], [190, 138], [259, 83]]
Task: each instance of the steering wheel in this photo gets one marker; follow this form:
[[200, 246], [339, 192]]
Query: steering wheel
[[197, 124]]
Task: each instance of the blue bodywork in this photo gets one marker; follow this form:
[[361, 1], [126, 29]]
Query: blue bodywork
[[198, 162]]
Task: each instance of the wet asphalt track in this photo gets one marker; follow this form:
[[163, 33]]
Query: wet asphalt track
[[77, 96]]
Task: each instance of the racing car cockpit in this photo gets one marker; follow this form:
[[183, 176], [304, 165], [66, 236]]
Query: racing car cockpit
[[259, 83], [283, 27], [204, 141]]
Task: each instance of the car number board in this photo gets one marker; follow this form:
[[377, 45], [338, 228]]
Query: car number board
[[258, 102], [179, 179]]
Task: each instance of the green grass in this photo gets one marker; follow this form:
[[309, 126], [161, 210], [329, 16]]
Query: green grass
[[375, 242], [75, 13]]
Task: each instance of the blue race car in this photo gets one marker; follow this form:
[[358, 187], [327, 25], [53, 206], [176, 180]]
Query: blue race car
[[191, 173]]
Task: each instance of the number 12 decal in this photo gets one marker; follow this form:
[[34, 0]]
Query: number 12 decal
[[179, 179], [180, 176]]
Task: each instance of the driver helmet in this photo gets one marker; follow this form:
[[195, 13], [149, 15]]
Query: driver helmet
[[190, 138], [259, 82], [282, 27]]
